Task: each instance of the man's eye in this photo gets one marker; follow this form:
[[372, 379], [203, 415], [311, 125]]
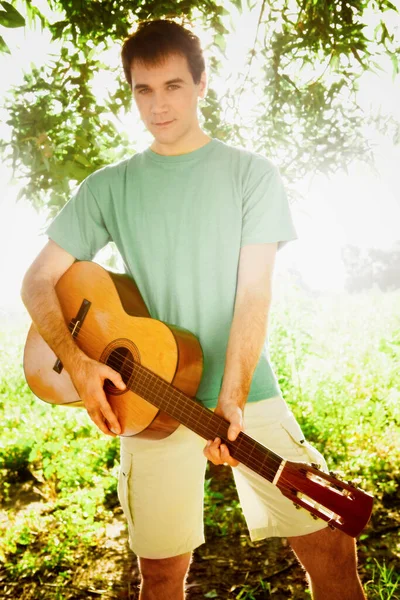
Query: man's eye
[[173, 86], [143, 91]]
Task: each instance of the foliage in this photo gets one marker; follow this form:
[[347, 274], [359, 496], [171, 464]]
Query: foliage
[[70, 464], [221, 516], [302, 69], [60, 131], [385, 582], [9, 17], [47, 151], [338, 369]]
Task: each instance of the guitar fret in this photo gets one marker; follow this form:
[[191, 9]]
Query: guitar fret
[[202, 421]]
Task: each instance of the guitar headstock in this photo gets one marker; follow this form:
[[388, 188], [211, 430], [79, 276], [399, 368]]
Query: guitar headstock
[[341, 504]]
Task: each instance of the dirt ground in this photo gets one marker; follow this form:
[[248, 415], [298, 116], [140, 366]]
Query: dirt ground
[[225, 567]]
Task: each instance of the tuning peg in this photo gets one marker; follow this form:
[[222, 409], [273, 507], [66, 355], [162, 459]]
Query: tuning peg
[[296, 505], [331, 526], [335, 476], [314, 516]]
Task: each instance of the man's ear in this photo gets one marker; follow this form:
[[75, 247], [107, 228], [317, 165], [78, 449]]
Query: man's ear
[[203, 85]]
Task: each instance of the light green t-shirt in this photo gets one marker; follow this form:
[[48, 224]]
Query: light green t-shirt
[[179, 223]]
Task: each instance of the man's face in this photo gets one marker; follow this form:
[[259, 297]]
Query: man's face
[[166, 97]]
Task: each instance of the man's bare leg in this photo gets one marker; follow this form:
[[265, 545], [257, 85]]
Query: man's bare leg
[[164, 578], [330, 559]]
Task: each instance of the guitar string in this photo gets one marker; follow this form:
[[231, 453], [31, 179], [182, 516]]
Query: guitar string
[[244, 456], [263, 469], [285, 484], [254, 444], [249, 443], [291, 489], [245, 442], [193, 406], [138, 366], [190, 415]]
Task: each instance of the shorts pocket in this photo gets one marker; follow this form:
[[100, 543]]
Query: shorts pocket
[[305, 450], [124, 488]]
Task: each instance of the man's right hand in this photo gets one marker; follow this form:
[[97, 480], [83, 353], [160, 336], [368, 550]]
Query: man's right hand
[[88, 377]]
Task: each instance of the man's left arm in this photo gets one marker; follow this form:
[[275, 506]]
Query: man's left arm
[[246, 339]]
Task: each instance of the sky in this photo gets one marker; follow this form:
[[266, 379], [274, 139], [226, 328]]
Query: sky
[[361, 207]]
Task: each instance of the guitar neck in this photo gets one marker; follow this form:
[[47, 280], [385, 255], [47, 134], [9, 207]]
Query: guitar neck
[[203, 421]]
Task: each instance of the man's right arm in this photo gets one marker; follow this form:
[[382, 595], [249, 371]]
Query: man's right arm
[[40, 298]]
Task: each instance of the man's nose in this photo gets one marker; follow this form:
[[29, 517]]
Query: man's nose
[[159, 103]]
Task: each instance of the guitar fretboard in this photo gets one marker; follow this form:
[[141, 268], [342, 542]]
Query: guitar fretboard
[[202, 421]]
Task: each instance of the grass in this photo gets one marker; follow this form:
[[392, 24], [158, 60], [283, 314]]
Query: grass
[[339, 372], [337, 361], [384, 583]]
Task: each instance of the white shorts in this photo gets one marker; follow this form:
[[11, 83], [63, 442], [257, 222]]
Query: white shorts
[[161, 485]]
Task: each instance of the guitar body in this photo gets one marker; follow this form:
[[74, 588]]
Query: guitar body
[[119, 331]]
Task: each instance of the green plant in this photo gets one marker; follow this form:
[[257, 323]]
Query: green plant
[[385, 582]]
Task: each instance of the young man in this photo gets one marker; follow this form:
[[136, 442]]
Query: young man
[[198, 224]]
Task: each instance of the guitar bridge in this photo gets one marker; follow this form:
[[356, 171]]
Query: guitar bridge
[[75, 327]]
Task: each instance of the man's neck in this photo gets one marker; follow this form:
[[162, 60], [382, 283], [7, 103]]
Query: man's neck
[[185, 146]]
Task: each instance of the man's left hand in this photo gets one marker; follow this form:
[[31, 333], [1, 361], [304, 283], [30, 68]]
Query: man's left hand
[[217, 452]]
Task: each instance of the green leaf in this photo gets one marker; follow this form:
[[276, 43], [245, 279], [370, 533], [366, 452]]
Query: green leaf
[[10, 17], [334, 62], [57, 29], [82, 160], [3, 46], [395, 63], [220, 41], [385, 33], [220, 28], [390, 6], [20, 195], [238, 4]]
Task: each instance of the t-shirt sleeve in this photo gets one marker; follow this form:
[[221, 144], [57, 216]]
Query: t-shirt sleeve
[[79, 227], [266, 213]]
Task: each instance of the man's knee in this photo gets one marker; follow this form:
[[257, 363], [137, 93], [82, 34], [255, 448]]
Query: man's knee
[[326, 551], [162, 570]]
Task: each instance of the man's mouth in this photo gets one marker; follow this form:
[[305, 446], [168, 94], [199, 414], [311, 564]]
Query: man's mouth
[[164, 124]]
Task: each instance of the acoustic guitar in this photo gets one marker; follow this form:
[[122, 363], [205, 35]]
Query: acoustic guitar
[[161, 365]]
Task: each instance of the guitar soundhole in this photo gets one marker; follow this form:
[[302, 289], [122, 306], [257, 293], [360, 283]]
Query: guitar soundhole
[[122, 359]]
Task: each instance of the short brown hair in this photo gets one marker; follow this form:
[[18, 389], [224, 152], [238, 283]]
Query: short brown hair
[[155, 40]]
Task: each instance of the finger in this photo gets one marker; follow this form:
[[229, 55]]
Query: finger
[[233, 431], [98, 420], [115, 377], [107, 413], [227, 458], [110, 417], [236, 424], [100, 411], [215, 452], [205, 449], [211, 451], [99, 404]]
